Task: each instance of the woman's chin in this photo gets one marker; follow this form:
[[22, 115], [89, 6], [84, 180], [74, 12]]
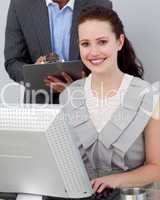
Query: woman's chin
[[99, 72]]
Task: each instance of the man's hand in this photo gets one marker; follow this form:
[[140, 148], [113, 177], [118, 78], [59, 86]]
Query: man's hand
[[49, 58], [59, 85], [41, 60]]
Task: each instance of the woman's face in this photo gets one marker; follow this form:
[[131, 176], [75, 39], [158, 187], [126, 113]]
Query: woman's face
[[98, 45]]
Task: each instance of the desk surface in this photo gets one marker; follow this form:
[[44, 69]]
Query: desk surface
[[151, 194]]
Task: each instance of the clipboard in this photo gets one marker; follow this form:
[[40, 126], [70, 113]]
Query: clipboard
[[34, 74]]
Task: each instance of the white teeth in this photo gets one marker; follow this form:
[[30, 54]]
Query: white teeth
[[97, 61]]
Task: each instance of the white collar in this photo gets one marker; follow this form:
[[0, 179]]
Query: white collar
[[123, 87], [69, 4]]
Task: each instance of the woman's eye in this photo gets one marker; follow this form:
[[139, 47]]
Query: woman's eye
[[84, 44], [103, 42]]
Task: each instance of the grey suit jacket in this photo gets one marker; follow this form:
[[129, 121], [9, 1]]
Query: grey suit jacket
[[120, 144], [27, 34]]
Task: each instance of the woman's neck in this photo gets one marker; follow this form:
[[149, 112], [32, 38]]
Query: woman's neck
[[106, 84]]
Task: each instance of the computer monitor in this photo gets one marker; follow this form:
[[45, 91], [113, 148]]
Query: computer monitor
[[38, 154]]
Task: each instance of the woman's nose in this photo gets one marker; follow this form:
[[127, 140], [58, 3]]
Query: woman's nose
[[93, 50]]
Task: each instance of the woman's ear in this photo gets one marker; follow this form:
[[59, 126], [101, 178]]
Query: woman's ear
[[121, 41]]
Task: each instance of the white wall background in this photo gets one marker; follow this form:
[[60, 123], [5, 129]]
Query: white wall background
[[142, 27], [140, 19]]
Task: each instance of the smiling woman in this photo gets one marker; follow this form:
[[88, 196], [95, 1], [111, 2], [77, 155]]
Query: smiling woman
[[99, 47], [111, 111], [107, 38]]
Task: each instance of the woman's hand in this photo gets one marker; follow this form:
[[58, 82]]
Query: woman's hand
[[56, 84], [111, 181]]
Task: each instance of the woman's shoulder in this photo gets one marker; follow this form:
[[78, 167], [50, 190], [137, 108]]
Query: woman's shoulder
[[140, 82], [143, 92], [76, 88], [141, 88], [78, 83]]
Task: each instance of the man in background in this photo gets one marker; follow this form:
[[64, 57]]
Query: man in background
[[37, 27]]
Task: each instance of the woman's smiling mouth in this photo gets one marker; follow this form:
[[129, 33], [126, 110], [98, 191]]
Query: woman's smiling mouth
[[97, 61]]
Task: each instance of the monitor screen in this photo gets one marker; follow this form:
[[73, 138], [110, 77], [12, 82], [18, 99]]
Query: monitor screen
[[38, 154]]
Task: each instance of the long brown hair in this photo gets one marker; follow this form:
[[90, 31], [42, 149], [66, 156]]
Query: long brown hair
[[127, 59]]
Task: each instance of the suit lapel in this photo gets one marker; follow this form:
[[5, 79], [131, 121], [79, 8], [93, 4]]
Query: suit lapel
[[40, 18], [78, 116], [81, 122], [123, 116]]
